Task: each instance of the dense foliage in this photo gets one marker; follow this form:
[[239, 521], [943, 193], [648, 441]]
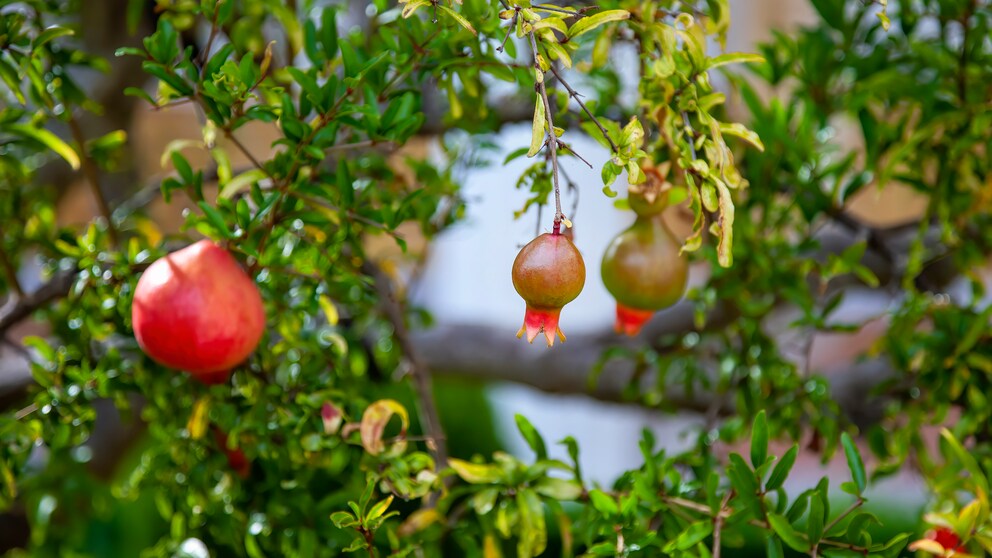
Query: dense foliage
[[334, 412]]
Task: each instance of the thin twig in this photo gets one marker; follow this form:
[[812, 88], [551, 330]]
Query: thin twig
[[573, 152], [388, 145], [578, 98], [205, 53], [92, 175], [556, 9], [718, 524], [857, 504], [244, 149], [552, 137], [509, 30]]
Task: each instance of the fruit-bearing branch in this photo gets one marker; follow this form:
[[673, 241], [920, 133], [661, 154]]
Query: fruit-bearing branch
[[552, 137]]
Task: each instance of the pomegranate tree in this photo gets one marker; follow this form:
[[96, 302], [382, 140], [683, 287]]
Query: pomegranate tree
[[197, 310], [548, 273], [642, 267]]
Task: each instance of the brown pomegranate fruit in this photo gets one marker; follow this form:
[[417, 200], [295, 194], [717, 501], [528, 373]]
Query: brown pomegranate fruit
[[643, 271], [197, 310], [548, 273]]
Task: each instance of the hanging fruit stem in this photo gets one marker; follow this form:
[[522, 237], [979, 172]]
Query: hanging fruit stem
[[552, 138]]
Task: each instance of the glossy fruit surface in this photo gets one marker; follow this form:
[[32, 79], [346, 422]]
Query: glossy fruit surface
[[644, 272], [196, 310], [548, 273]]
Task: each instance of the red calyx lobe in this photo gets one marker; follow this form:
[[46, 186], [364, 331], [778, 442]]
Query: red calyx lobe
[[548, 273], [196, 310]]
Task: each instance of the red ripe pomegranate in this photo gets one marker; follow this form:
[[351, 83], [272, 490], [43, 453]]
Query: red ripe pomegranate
[[643, 271], [548, 274], [197, 310]]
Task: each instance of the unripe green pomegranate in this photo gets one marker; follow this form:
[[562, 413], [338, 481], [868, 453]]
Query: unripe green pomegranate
[[197, 310], [644, 272], [548, 274]]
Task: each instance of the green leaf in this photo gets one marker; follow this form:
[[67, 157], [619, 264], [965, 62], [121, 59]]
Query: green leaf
[[215, 219], [533, 533], [10, 77], [457, 17], [967, 460], [343, 519], [787, 533], [533, 438], [586, 24], [759, 440], [49, 140], [559, 489], [538, 128], [378, 509], [604, 503], [692, 535], [733, 58], [774, 548], [782, 469], [854, 462], [476, 473], [50, 34]]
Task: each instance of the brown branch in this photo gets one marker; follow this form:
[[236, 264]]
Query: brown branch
[[420, 371], [54, 289], [552, 136], [578, 99], [92, 175], [718, 524], [10, 274]]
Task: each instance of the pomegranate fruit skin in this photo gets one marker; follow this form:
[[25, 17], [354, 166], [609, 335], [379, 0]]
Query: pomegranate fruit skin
[[644, 272], [548, 273], [197, 310]]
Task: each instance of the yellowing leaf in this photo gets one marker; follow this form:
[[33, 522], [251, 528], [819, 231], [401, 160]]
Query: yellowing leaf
[[49, 140], [374, 422], [418, 521], [197, 423], [739, 130], [457, 17], [587, 24], [241, 182], [725, 222], [539, 127], [329, 309], [475, 473], [734, 58]]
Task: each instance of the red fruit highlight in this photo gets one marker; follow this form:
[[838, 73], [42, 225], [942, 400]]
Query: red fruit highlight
[[644, 272], [196, 310], [548, 273]]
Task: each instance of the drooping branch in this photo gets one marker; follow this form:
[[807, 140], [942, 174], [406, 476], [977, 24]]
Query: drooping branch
[[552, 137]]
